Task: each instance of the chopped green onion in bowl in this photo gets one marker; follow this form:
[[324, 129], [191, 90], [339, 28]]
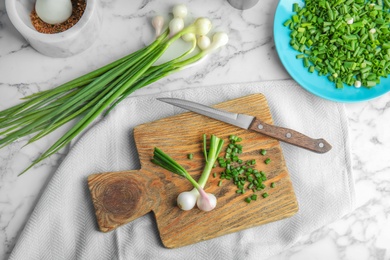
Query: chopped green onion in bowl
[[346, 41]]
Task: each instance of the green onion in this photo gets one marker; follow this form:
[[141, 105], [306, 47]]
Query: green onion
[[185, 200], [296, 8], [86, 98], [243, 174], [287, 23], [267, 161], [190, 156], [332, 37], [265, 195]]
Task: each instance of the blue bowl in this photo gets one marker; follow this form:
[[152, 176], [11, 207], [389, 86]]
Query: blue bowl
[[312, 82]]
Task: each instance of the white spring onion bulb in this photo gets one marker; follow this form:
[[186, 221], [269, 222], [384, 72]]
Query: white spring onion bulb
[[188, 37], [207, 202], [175, 26], [204, 201], [219, 39], [53, 12], [203, 42], [179, 11], [187, 199], [158, 23], [203, 26]]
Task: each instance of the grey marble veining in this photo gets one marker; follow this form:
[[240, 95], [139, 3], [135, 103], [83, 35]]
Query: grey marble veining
[[250, 56]]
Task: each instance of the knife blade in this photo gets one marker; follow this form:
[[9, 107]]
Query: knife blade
[[255, 124]]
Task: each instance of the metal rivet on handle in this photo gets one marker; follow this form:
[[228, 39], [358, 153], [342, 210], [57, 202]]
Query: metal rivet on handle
[[260, 126], [288, 135], [321, 145]]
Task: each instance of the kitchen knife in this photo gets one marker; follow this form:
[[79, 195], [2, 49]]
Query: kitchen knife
[[252, 123]]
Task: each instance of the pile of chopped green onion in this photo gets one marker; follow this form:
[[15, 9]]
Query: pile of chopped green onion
[[98, 92], [346, 40], [242, 173]]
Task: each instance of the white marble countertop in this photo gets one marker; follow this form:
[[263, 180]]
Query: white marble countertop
[[250, 56]]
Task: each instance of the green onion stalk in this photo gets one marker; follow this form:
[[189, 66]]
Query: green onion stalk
[[98, 92], [187, 200]]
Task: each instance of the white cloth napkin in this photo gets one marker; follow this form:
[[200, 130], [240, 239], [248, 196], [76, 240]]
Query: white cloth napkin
[[63, 224]]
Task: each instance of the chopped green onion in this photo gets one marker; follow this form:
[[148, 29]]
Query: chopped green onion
[[296, 8], [190, 156], [243, 175], [371, 83], [333, 36]]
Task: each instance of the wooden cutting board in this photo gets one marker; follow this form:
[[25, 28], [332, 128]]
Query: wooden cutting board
[[120, 197]]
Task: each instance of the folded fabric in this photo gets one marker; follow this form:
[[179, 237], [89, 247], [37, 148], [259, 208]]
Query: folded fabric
[[63, 224]]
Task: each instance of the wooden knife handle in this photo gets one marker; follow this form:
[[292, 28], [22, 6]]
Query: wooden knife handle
[[120, 197], [290, 136]]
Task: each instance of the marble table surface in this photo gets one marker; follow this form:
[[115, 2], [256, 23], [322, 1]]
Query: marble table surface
[[249, 57]]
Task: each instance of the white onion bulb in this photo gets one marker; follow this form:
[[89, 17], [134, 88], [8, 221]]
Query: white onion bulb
[[203, 26], [187, 200], [158, 23], [188, 37], [179, 11], [203, 42], [175, 26], [207, 203], [220, 39]]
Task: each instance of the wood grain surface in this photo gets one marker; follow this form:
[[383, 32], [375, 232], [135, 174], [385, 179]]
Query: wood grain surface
[[120, 197]]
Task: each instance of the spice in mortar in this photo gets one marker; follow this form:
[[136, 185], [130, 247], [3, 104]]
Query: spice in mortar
[[43, 27]]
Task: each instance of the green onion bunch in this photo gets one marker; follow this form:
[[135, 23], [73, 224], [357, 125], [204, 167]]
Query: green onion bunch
[[98, 92], [346, 40], [187, 199]]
